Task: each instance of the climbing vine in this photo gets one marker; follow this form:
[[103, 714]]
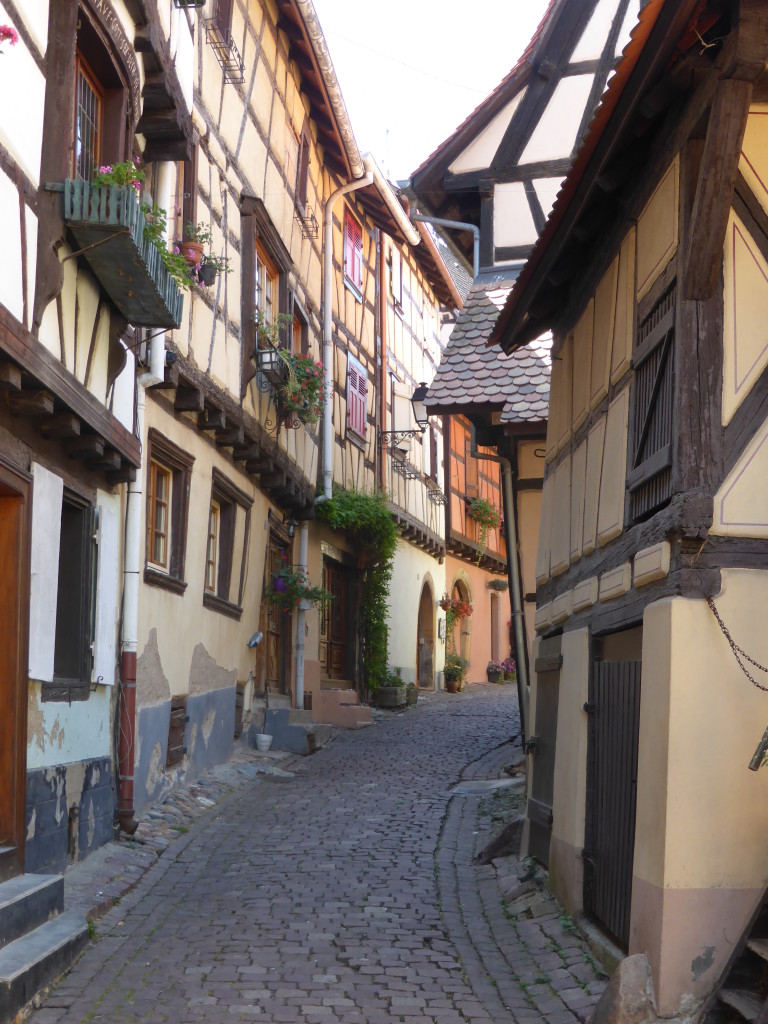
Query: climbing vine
[[366, 517]]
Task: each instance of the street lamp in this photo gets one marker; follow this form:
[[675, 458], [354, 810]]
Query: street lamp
[[420, 414]]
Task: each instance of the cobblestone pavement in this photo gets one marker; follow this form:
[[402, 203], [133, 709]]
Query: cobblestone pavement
[[343, 890]]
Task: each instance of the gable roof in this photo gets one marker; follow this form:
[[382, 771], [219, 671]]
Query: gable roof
[[665, 33]]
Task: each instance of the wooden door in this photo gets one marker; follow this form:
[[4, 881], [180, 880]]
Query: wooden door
[[278, 632], [542, 745], [614, 722], [334, 625], [425, 640], [14, 612]]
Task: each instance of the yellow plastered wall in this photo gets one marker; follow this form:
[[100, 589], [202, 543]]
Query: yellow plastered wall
[[700, 855], [569, 793], [657, 230]]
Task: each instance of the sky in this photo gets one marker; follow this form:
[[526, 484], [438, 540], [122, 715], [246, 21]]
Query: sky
[[411, 70]]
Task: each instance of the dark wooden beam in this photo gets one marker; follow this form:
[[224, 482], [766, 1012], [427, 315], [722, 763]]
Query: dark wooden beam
[[189, 399], [230, 438], [157, 121], [87, 446], [249, 452], [125, 475], [10, 377], [714, 191], [60, 425], [257, 466], [109, 460], [170, 379], [176, 148], [30, 403], [273, 481], [211, 418]]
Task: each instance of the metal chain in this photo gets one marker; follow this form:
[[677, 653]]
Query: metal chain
[[738, 650]]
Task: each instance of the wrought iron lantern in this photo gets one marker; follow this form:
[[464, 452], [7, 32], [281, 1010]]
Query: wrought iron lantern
[[271, 365]]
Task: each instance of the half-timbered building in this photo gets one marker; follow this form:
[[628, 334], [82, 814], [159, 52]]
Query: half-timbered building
[[647, 702]]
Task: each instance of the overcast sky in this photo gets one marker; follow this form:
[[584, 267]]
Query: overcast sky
[[411, 70]]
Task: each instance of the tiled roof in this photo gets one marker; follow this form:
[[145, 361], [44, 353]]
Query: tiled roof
[[470, 374]]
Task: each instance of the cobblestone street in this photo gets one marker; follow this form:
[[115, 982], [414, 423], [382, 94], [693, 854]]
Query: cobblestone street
[[342, 892]]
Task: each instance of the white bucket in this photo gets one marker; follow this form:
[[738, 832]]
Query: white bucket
[[263, 742]]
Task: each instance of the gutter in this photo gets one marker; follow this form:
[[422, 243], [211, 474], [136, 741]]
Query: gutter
[[335, 98]]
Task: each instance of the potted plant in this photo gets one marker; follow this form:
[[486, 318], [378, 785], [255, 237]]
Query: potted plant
[[196, 237], [499, 585], [210, 266], [454, 671], [509, 670], [129, 174], [487, 517], [411, 693], [290, 588], [390, 693], [494, 671]]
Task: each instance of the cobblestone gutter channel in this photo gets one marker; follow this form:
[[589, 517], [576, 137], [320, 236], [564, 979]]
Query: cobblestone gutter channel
[[341, 888]]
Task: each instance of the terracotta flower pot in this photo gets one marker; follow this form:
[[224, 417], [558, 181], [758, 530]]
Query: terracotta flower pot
[[192, 252]]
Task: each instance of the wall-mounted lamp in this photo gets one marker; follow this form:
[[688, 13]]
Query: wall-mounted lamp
[[255, 640], [420, 414], [271, 364], [290, 527]]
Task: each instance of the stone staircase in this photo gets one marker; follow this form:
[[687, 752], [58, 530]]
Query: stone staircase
[[38, 940], [339, 705], [742, 992]]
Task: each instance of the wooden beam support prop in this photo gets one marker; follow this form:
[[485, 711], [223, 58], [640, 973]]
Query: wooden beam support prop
[[10, 377], [714, 191], [258, 466], [110, 460], [211, 418], [250, 452], [30, 403], [170, 379], [189, 400], [87, 446], [125, 475], [61, 425]]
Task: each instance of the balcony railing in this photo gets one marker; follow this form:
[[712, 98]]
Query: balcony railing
[[107, 224]]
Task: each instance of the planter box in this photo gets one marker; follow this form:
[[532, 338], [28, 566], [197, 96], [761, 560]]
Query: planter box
[[494, 677], [108, 222], [411, 695], [389, 696]]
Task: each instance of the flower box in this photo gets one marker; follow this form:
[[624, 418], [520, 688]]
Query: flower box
[[108, 223], [389, 696]]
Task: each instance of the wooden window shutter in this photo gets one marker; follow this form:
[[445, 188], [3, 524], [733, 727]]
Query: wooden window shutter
[[357, 390], [649, 474], [224, 17], [349, 248], [303, 172]]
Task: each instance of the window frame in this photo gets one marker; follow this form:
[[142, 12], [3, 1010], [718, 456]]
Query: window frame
[[396, 278], [302, 172], [228, 497], [83, 70], [353, 254], [173, 459]]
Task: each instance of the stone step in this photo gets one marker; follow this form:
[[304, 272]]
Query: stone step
[[759, 946], [302, 736], [26, 902], [38, 958]]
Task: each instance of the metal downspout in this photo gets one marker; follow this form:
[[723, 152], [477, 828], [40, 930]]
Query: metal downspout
[[327, 328], [130, 626], [459, 225], [300, 628], [513, 575], [383, 367]]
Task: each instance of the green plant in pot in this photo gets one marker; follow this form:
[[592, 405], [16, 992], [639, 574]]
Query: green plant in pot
[[391, 691], [454, 671], [494, 671], [290, 588], [487, 517]]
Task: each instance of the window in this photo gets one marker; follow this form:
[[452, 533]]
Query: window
[[265, 285], [100, 132], [396, 277], [168, 481], [75, 607], [300, 337], [223, 18], [226, 547], [353, 253], [88, 115], [265, 265], [357, 390], [302, 172]]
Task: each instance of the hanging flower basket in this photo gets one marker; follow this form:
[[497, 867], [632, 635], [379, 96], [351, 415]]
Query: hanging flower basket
[[498, 585], [487, 517], [290, 588]]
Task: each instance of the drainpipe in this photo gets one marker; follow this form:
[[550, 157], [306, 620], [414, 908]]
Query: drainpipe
[[300, 629], [513, 575], [459, 225], [130, 632], [351, 186], [383, 368]]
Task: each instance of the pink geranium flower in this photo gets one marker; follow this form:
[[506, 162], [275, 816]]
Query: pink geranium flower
[[8, 34]]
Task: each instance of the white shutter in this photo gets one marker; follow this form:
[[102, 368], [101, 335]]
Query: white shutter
[[47, 493], [105, 629]]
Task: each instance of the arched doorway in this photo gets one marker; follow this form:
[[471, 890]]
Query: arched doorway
[[461, 627], [425, 640]]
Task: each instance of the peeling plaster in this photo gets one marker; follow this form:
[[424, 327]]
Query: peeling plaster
[[192, 740], [207, 727], [156, 766], [31, 826], [703, 962], [152, 686], [35, 727], [205, 674], [91, 823]]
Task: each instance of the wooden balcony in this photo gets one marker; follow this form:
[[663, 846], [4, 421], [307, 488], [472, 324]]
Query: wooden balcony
[[107, 224]]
